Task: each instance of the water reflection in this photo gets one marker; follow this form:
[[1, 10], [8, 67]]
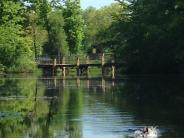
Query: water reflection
[[19, 107], [90, 107], [156, 101]]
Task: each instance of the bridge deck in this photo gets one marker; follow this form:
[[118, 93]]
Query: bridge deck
[[81, 64]]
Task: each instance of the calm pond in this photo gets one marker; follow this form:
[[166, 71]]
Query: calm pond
[[53, 107]]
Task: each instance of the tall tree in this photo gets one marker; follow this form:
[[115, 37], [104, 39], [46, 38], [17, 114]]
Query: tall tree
[[97, 26], [15, 46], [74, 25], [57, 44], [152, 40], [37, 31]]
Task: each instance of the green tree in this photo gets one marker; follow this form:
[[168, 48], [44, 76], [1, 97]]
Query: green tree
[[38, 32], [36, 23], [57, 38], [97, 26], [151, 40], [74, 25], [15, 46]]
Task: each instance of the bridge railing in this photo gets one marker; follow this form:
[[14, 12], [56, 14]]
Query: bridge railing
[[80, 59], [44, 60]]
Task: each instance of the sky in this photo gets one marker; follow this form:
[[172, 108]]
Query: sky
[[95, 3]]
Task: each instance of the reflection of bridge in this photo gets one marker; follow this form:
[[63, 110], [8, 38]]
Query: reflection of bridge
[[80, 63], [55, 83]]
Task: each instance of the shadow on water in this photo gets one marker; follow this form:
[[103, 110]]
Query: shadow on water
[[155, 100], [90, 107]]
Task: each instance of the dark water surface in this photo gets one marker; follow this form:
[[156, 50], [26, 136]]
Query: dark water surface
[[54, 107]]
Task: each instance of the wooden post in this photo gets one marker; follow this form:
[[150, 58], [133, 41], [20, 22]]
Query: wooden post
[[113, 72], [87, 60], [113, 68], [103, 62], [63, 68], [103, 59], [55, 62], [78, 69], [87, 68], [64, 71], [78, 61], [54, 66]]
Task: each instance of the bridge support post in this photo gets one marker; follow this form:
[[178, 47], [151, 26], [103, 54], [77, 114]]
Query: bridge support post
[[54, 66], [87, 63], [55, 62], [64, 71], [102, 64], [113, 72], [103, 59], [113, 68], [78, 68], [87, 60], [63, 68]]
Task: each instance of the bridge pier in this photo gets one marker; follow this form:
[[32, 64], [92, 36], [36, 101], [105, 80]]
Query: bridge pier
[[103, 63], [87, 68], [64, 71], [54, 67], [113, 72], [78, 68]]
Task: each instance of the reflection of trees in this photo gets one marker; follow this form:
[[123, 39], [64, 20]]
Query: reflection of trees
[[17, 113], [152, 101], [40, 117], [159, 99], [67, 121], [33, 116], [73, 114]]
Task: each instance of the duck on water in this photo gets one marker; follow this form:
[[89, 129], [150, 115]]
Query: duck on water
[[146, 132]]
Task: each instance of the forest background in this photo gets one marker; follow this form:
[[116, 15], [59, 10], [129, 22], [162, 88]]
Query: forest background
[[146, 34]]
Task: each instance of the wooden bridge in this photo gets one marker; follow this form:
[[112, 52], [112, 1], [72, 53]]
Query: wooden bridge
[[80, 63]]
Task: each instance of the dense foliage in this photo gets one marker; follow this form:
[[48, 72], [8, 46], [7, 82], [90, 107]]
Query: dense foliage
[[147, 35], [97, 23], [74, 25], [32, 28], [153, 37], [15, 46], [57, 44]]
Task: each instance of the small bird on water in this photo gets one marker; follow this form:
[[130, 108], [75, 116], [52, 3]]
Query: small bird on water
[[146, 132]]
